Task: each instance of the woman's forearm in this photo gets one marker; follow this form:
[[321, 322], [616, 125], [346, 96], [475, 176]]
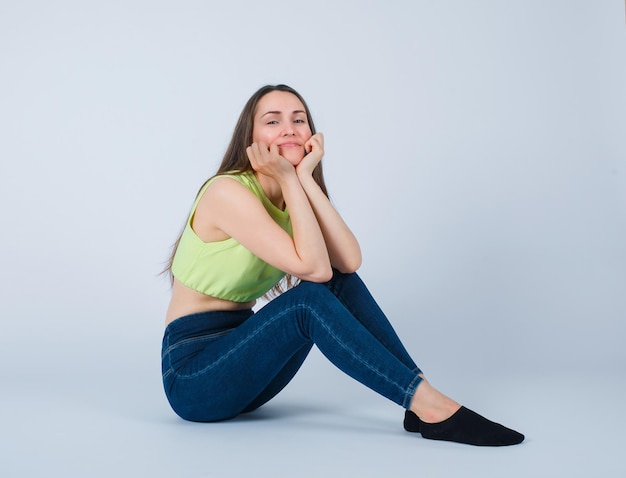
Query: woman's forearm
[[343, 248], [309, 240]]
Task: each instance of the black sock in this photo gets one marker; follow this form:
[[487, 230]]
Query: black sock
[[465, 426], [411, 422]]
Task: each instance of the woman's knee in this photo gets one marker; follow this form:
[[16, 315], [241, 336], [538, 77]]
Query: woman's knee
[[311, 291]]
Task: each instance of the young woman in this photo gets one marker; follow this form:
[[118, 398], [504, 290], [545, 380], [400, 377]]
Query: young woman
[[261, 221]]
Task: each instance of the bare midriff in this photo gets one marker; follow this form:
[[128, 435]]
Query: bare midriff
[[186, 301]]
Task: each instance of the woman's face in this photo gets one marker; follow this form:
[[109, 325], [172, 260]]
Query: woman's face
[[280, 119]]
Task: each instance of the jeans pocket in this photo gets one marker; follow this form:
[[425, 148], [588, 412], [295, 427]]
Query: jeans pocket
[[175, 356]]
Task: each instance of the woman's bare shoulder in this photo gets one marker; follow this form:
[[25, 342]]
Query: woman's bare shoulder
[[225, 188], [222, 196], [225, 203]]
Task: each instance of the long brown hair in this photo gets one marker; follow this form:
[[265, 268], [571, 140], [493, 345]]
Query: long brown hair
[[236, 160]]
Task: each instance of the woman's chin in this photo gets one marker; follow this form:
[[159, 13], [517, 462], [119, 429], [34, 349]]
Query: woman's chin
[[294, 159]]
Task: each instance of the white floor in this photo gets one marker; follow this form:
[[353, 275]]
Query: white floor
[[82, 414]]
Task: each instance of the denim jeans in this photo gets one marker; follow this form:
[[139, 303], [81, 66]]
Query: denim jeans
[[217, 365]]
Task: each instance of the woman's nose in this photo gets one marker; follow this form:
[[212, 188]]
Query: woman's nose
[[288, 130]]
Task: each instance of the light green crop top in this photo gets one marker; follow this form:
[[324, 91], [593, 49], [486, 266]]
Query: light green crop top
[[226, 269]]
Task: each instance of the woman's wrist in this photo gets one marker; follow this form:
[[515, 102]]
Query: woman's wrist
[[305, 178], [287, 178]]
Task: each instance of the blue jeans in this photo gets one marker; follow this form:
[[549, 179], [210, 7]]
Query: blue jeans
[[217, 365]]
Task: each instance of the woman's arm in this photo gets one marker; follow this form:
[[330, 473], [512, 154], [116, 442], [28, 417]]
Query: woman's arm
[[235, 211], [343, 247]]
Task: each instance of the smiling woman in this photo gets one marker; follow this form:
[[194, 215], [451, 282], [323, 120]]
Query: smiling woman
[[264, 215], [286, 127]]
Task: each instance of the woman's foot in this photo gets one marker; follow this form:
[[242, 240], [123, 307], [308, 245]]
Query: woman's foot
[[438, 417], [465, 426]]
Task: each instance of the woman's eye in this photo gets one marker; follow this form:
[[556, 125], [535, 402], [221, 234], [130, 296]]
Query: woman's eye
[[299, 121], [272, 122]]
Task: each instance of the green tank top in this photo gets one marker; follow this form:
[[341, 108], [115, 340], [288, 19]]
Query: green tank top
[[226, 269]]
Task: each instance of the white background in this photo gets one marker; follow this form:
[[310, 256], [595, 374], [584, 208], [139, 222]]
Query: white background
[[476, 148]]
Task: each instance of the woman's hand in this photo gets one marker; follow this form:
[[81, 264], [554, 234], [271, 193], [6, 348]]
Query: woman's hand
[[314, 148], [268, 161]]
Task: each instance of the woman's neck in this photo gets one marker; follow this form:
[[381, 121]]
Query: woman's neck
[[272, 190]]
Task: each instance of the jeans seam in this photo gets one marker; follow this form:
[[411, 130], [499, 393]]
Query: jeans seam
[[215, 335], [336, 290], [410, 391], [348, 349]]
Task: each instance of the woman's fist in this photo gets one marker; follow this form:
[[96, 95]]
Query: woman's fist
[[267, 160], [314, 149]]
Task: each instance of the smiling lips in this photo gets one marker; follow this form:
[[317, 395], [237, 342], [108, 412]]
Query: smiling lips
[[289, 145]]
